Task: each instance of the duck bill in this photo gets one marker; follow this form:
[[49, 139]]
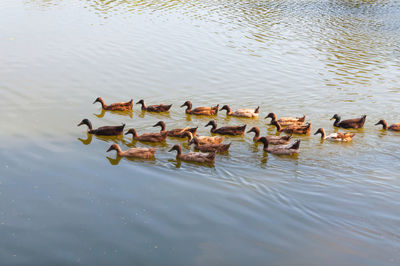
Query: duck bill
[[171, 149], [80, 124], [377, 124], [110, 149]]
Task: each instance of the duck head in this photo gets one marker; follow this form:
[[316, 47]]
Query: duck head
[[86, 122], [255, 130], [160, 124], [264, 141], [188, 104], [113, 147], [271, 115], [335, 117], [99, 100], [211, 123], [140, 102], [177, 148], [131, 131], [227, 108], [383, 123]]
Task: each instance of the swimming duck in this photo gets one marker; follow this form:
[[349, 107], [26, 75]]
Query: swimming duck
[[293, 129], [289, 149], [154, 108], [345, 137], [231, 130], [121, 106], [286, 121], [200, 110], [193, 156], [177, 132], [149, 137], [250, 113], [275, 140], [393, 127], [144, 153], [209, 147], [103, 131], [349, 123], [205, 139]]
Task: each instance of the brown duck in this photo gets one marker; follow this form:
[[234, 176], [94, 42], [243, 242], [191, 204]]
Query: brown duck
[[154, 108], [344, 137], [220, 148], [193, 156], [144, 153], [289, 149], [349, 123], [293, 129], [250, 113], [149, 137], [121, 106], [177, 132], [103, 131], [275, 140], [231, 130], [287, 121], [393, 127], [200, 110], [205, 139]]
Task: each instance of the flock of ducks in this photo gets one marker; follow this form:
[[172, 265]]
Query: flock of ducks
[[208, 146]]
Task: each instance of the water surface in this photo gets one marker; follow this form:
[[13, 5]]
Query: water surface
[[64, 200]]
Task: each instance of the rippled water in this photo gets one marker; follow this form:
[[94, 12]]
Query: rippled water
[[64, 200]]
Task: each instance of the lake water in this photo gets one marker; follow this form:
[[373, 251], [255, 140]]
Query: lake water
[[64, 200]]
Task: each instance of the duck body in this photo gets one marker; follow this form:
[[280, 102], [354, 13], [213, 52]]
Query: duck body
[[121, 106], [392, 127], [205, 139], [231, 130], [289, 149], [177, 132], [200, 110], [220, 148], [287, 121], [147, 137], [193, 156], [349, 123], [339, 136], [249, 113], [103, 131], [293, 129], [275, 140], [159, 108], [143, 153]]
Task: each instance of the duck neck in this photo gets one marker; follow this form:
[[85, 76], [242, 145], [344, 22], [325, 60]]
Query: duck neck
[[188, 107], [265, 145], [213, 127], [134, 133], [228, 110], [103, 104], [178, 152], [384, 125], [278, 126], [257, 134], [119, 151], [323, 134], [143, 105], [162, 125], [337, 120]]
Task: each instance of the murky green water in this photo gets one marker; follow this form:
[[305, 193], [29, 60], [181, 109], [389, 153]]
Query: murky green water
[[64, 200]]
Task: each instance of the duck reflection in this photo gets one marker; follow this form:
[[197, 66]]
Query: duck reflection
[[89, 138], [161, 116], [122, 113]]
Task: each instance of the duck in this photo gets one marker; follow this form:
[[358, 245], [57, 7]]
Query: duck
[[293, 129], [289, 149], [209, 147], [393, 127], [286, 121], [148, 137], [103, 131], [193, 156], [231, 130], [143, 153], [177, 132], [250, 113], [344, 137], [121, 106], [200, 110], [205, 139], [275, 140], [154, 108], [349, 123]]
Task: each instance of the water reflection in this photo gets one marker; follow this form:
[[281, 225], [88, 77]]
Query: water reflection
[[128, 113], [113, 139]]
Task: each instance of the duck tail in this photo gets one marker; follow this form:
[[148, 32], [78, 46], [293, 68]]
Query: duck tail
[[243, 128], [169, 107], [211, 155], [295, 145], [288, 137], [257, 110], [302, 119], [225, 147]]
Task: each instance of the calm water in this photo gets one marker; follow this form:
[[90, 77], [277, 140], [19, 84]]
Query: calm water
[[64, 200]]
